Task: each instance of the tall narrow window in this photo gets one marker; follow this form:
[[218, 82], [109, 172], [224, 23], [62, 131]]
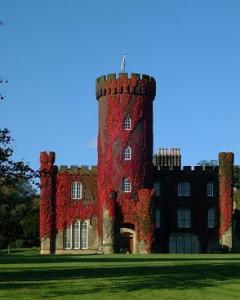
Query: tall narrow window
[[127, 187], [210, 189], [76, 190], [184, 218], [211, 217], [127, 153], [184, 189], [76, 235], [157, 218], [68, 237], [84, 235], [127, 124], [157, 188]]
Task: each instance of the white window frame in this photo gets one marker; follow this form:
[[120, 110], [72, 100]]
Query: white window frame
[[211, 218], [68, 237], [158, 218], [157, 187], [127, 124], [76, 237], [184, 189], [76, 190], [84, 235], [127, 153], [210, 189], [127, 186], [184, 218]]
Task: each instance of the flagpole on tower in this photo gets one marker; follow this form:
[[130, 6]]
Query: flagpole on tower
[[123, 63]]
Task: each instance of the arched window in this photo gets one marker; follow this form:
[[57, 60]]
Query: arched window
[[76, 190], [127, 123], [127, 153], [184, 189], [127, 187], [76, 235], [84, 235], [210, 189]]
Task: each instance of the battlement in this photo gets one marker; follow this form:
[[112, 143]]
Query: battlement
[[135, 84], [74, 169], [192, 169]]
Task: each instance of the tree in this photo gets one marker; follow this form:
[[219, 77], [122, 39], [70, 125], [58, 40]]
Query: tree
[[16, 192], [11, 172], [204, 163], [19, 213]]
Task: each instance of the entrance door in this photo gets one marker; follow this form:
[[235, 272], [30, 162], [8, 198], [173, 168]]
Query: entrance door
[[126, 243]]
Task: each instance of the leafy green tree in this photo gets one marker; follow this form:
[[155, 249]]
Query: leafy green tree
[[19, 213], [16, 192]]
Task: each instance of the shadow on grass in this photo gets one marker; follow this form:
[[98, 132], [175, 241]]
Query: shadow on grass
[[26, 256], [116, 277]]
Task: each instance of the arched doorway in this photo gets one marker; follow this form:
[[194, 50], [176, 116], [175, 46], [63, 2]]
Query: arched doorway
[[127, 243]]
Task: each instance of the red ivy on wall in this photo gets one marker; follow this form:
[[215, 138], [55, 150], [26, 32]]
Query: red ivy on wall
[[47, 172], [118, 104], [226, 190], [68, 210], [57, 209]]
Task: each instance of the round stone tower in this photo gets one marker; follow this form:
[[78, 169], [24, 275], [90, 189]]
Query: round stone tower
[[125, 145]]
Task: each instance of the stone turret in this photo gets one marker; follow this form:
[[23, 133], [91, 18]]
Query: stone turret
[[47, 201], [125, 143], [226, 198]]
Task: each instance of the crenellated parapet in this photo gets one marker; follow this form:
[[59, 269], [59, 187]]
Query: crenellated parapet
[[80, 170], [187, 169], [136, 84]]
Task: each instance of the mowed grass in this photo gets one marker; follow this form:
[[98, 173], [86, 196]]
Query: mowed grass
[[24, 274]]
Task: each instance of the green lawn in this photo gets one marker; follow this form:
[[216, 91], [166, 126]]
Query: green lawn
[[24, 274]]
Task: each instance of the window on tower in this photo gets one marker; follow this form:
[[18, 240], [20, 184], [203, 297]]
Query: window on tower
[[127, 124], [127, 187], [127, 153]]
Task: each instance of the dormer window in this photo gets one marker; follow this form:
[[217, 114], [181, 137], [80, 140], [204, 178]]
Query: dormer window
[[127, 124], [76, 190], [127, 153]]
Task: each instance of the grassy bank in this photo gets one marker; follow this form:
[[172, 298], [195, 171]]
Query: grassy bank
[[24, 274]]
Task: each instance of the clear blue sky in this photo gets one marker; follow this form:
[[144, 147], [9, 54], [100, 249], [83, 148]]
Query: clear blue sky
[[52, 51]]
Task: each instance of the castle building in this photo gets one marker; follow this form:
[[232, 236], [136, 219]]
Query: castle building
[[133, 201]]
